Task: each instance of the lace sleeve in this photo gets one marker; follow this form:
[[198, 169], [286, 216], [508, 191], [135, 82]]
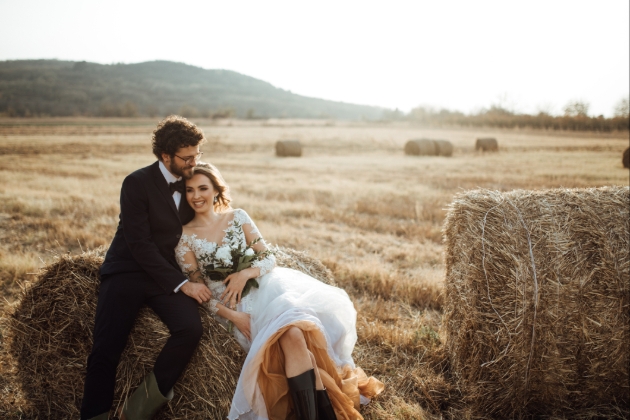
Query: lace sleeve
[[212, 306], [188, 263], [252, 233], [185, 255], [266, 265]]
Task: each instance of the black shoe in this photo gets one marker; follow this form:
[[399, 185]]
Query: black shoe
[[302, 389], [324, 406]]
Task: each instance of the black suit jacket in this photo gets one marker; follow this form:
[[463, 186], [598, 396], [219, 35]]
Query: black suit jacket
[[149, 229]]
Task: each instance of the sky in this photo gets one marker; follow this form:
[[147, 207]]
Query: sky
[[527, 56]]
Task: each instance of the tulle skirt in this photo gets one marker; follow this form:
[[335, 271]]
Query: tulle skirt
[[327, 318]]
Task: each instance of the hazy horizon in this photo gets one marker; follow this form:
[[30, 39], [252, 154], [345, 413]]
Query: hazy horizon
[[453, 55]]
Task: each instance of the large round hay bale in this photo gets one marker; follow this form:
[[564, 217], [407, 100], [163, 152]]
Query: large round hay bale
[[421, 147], [48, 336], [444, 147], [487, 144], [626, 158], [288, 148], [537, 311]]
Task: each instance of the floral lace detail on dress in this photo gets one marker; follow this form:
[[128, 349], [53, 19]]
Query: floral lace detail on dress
[[265, 265], [200, 246], [212, 306]]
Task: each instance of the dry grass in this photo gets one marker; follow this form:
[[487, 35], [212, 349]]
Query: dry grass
[[354, 201]]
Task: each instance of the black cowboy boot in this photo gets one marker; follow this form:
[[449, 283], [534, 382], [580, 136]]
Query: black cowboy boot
[[324, 406], [302, 389]]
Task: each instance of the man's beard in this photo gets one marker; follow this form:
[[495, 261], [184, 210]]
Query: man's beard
[[184, 172]]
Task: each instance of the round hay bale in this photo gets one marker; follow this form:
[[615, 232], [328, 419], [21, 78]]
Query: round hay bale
[[288, 148], [626, 158], [537, 311], [444, 148], [48, 336], [299, 260], [421, 147], [487, 144]]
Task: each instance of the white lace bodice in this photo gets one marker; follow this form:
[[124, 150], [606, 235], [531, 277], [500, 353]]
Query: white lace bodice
[[234, 238]]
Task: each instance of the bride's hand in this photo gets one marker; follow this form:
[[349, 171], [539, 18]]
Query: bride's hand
[[235, 284], [241, 321]]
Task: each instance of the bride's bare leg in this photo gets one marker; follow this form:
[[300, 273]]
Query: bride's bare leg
[[296, 354]]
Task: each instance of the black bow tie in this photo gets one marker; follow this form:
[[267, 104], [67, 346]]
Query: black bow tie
[[177, 186]]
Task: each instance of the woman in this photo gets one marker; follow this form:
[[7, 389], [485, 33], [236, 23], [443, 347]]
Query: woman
[[298, 331]]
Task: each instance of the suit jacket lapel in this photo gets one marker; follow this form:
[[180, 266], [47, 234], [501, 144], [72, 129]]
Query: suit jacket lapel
[[162, 185], [184, 210]]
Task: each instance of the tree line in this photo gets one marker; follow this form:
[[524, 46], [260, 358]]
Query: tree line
[[575, 118]]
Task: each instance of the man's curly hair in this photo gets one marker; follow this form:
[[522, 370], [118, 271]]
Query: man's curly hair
[[173, 133]]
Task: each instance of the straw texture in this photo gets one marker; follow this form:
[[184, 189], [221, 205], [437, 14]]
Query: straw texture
[[48, 336], [537, 311]]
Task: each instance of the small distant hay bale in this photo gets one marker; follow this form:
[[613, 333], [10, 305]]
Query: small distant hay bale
[[487, 144], [537, 311], [444, 148], [626, 158], [288, 148], [48, 336], [421, 147]]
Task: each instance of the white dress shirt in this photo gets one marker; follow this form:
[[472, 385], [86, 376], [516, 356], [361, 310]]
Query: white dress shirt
[[177, 196]]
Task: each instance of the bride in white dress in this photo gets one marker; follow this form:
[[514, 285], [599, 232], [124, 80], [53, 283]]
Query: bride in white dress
[[299, 332]]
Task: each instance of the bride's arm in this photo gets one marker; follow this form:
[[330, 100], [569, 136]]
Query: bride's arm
[[236, 281], [240, 319], [195, 287]]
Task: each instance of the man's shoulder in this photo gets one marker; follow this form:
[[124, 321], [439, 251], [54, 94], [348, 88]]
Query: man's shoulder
[[146, 172], [140, 178]]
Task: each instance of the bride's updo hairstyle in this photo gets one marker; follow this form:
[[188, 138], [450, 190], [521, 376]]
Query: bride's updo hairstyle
[[222, 202]]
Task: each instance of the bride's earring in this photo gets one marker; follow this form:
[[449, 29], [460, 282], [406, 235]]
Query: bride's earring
[[215, 199]]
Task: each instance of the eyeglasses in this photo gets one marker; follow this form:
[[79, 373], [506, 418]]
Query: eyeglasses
[[189, 159]]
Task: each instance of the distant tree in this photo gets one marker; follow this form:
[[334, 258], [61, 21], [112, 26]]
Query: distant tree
[[223, 113], [129, 109], [250, 114], [498, 110], [394, 115], [421, 113], [152, 111], [107, 109], [576, 108], [188, 111], [622, 108]]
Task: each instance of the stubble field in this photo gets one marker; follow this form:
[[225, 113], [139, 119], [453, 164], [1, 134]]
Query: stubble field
[[354, 201]]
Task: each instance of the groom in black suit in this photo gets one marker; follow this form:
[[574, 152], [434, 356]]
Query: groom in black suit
[[140, 268]]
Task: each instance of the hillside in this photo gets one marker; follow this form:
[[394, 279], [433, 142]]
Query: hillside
[[66, 88]]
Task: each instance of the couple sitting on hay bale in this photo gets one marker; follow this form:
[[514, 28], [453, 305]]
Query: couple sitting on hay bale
[[178, 245]]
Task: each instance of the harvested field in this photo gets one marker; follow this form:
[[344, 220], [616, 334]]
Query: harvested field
[[354, 201]]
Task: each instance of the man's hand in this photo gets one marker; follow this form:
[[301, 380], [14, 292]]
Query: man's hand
[[197, 291]]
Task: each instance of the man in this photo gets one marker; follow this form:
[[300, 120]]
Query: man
[[140, 268]]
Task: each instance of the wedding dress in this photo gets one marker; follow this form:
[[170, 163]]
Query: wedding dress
[[286, 298]]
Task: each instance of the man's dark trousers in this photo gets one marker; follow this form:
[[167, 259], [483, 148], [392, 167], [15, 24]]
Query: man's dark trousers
[[140, 268], [120, 298]]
